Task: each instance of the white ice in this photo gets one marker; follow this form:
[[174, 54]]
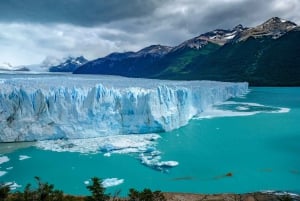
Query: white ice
[[109, 182], [2, 173], [153, 160], [3, 159], [41, 107], [23, 157], [120, 144], [239, 109], [144, 146], [13, 185]]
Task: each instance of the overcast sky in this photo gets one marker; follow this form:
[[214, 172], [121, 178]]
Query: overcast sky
[[30, 30]]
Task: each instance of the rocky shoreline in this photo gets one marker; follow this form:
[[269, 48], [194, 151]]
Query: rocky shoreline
[[256, 196]]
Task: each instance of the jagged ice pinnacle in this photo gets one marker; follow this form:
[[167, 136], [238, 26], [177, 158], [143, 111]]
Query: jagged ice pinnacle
[[40, 107]]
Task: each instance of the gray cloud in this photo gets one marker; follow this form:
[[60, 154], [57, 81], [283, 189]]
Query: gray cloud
[[78, 12], [34, 29]]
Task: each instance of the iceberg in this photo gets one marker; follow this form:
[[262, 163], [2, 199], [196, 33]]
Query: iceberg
[[61, 106]]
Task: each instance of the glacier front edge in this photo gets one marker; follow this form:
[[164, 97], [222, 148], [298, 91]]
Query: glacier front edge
[[41, 107]]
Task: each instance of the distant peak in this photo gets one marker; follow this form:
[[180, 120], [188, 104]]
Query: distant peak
[[277, 20], [239, 27], [274, 27], [155, 49]]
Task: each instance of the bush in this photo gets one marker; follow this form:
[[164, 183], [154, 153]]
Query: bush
[[145, 195], [44, 192], [4, 191]]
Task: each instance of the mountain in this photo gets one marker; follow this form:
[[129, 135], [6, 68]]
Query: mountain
[[177, 60], [265, 55], [131, 64], [274, 27], [157, 58], [268, 57], [9, 67], [69, 65], [50, 64]]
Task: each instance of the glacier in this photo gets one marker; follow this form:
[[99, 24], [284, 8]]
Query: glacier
[[64, 106]]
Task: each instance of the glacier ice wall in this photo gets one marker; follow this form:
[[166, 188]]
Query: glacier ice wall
[[40, 107]]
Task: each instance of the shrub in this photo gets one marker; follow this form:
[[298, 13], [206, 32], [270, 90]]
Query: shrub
[[97, 191]]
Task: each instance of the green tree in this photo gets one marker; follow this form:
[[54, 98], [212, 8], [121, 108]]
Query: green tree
[[133, 195], [97, 190], [44, 192], [4, 191]]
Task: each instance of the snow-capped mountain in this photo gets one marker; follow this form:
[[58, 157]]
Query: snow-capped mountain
[[218, 36], [55, 64], [274, 27], [68, 65], [267, 54]]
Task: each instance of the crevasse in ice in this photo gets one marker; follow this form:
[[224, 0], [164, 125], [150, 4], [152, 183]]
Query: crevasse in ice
[[39, 107]]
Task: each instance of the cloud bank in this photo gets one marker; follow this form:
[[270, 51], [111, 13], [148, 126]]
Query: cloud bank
[[34, 29]]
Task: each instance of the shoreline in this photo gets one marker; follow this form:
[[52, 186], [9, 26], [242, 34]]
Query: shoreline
[[254, 196]]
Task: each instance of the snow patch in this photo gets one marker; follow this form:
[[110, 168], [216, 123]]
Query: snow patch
[[282, 20]]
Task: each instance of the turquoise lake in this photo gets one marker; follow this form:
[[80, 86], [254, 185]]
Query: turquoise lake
[[229, 152]]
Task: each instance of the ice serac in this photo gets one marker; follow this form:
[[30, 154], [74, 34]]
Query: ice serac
[[40, 107]]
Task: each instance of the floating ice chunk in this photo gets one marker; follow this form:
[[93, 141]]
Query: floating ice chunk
[[107, 154], [153, 160], [109, 182], [240, 108], [167, 163], [13, 185], [2, 173], [3, 159], [231, 108], [121, 144], [9, 168], [23, 157]]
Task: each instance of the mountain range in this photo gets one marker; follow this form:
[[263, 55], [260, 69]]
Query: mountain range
[[50, 64], [265, 55]]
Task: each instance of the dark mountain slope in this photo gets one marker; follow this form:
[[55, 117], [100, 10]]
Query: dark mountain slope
[[175, 64], [130, 64]]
